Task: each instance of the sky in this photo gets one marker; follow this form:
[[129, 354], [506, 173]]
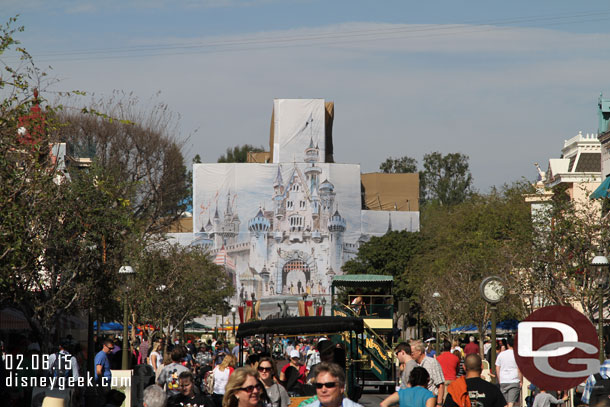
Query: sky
[[505, 83]]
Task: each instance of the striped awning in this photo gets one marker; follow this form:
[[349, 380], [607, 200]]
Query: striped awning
[[13, 320]]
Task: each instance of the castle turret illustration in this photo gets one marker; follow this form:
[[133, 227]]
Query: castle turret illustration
[[336, 227], [258, 227]]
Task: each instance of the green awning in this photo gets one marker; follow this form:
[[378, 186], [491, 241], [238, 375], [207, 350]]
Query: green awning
[[356, 280], [602, 191]]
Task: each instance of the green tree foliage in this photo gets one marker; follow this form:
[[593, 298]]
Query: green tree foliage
[[399, 165], [445, 179], [390, 254], [174, 284], [239, 154], [484, 235]]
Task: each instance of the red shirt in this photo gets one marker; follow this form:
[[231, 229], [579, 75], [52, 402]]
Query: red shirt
[[472, 347], [450, 364], [302, 371]]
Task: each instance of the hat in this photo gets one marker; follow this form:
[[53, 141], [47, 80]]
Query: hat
[[52, 402], [294, 354]]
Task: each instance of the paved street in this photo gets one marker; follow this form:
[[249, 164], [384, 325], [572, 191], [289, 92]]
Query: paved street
[[371, 398]]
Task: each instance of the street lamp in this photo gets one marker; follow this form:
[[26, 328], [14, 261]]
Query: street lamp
[[601, 263], [323, 306], [125, 270], [233, 311], [436, 297]]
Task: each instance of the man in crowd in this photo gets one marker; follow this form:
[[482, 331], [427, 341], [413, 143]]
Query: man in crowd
[[169, 374], [509, 376], [437, 381], [472, 346], [102, 364], [449, 363], [187, 396], [471, 387], [329, 380], [62, 363], [403, 353]]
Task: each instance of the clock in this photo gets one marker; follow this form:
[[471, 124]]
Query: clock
[[493, 289]]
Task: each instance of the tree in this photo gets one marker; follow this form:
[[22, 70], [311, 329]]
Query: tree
[[567, 235], [175, 284], [60, 234], [484, 235], [445, 179], [390, 254], [139, 149], [239, 154], [399, 165]]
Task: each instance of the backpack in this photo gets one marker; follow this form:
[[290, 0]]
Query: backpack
[[459, 392], [600, 391], [62, 367]]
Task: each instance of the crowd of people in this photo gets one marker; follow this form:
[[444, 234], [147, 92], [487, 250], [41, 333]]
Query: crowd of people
[[205, 374], [460, 377]]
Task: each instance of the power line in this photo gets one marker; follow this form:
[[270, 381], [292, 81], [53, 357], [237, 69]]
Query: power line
[[332, 38]]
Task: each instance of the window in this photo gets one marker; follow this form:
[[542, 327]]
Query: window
[[289, 205], [296, 223], [302, 204]]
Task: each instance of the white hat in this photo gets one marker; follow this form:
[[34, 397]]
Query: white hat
[[295, 354], [52, 402]]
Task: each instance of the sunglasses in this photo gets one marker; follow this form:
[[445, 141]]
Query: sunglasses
[[264, 369], [250, 389], [328, 385]]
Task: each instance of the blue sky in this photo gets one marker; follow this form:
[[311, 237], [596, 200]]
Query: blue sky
[[504, 82]]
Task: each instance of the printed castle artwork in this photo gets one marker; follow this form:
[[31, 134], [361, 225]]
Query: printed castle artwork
[[286, 228]]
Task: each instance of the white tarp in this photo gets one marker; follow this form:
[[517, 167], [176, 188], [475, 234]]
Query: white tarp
[[298, 123]]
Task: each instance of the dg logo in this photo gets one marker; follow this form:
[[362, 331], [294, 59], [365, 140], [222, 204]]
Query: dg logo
[[557, 348]]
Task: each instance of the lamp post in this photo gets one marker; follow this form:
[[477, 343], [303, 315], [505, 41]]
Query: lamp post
[[601, 264], [323, 306], [125, 270], [436, 297], [233, 311]]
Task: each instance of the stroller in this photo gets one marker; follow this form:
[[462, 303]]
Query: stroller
[[277, 352]]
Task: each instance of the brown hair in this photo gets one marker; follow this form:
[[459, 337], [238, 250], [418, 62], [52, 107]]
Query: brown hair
[[268, 359]]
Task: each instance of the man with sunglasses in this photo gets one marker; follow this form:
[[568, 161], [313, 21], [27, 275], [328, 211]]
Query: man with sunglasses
[[329, 381], [103, 376]]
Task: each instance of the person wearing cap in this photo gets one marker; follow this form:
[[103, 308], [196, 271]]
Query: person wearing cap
[[293, 374]]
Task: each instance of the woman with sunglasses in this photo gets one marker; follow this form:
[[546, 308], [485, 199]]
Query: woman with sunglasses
[[276, 392], [417, 395], [244, 390]]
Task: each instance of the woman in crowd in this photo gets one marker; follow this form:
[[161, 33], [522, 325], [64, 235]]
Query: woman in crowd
[[415, 396], [244, 390], [155, 359], [221, 375], [276, 392]]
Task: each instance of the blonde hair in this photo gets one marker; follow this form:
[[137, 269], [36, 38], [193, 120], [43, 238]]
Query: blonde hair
[[236, 381], [228, 361], [156, 346]]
